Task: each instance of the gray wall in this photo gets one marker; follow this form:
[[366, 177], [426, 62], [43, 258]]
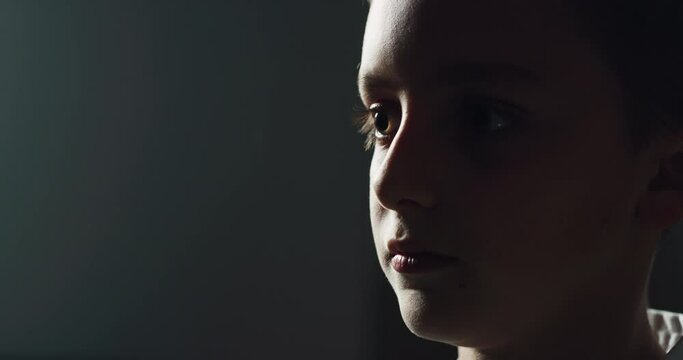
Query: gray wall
[[180, 180]]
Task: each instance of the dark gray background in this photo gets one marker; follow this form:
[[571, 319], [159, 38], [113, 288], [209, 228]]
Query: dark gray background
[[180, 180]]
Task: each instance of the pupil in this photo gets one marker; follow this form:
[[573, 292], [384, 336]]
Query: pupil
[[485, 120], [381, 121]]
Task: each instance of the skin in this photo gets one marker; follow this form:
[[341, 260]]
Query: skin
[[555, 225]]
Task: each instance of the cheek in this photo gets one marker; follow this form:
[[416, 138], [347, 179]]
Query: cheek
[[379, 225], [375, 219], [544, 224], [376, 210], [521, 235]]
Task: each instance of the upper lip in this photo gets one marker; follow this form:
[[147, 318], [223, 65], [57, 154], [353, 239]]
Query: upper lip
[[409, 246]]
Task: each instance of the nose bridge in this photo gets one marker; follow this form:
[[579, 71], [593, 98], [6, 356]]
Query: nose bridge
[[409, 170]]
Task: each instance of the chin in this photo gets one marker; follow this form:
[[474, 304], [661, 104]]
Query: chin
[[429, 318], [448, 319]]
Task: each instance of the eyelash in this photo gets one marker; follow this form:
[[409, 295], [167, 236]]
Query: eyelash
[[363, 118]]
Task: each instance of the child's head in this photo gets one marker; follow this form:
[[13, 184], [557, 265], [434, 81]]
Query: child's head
[[502, 137]]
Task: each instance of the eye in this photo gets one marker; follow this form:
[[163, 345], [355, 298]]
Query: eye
[[374, 123], [381, 120], [489, 117]]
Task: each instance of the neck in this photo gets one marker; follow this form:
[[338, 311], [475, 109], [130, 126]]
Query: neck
[[601, 332]]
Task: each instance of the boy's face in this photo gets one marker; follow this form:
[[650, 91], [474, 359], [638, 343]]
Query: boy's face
[[540, 213]]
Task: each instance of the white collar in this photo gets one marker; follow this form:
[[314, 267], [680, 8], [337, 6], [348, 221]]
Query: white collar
[[666, 325]]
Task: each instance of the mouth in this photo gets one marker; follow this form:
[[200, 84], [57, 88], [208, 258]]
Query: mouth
[[412, 256], [412, 248], [421, 262]]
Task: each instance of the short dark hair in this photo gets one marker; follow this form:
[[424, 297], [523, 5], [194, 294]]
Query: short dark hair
[[641, 42]]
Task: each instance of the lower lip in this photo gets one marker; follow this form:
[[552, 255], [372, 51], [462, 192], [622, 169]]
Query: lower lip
[[420, 263]]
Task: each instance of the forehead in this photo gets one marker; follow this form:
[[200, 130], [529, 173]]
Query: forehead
[[408, 40]]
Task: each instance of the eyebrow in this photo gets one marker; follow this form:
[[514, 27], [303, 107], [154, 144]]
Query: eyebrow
[[460, 73]]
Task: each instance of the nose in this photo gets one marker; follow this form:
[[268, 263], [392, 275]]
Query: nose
[[406, 173]]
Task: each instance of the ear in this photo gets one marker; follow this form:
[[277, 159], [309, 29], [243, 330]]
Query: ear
[[661, 206]]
